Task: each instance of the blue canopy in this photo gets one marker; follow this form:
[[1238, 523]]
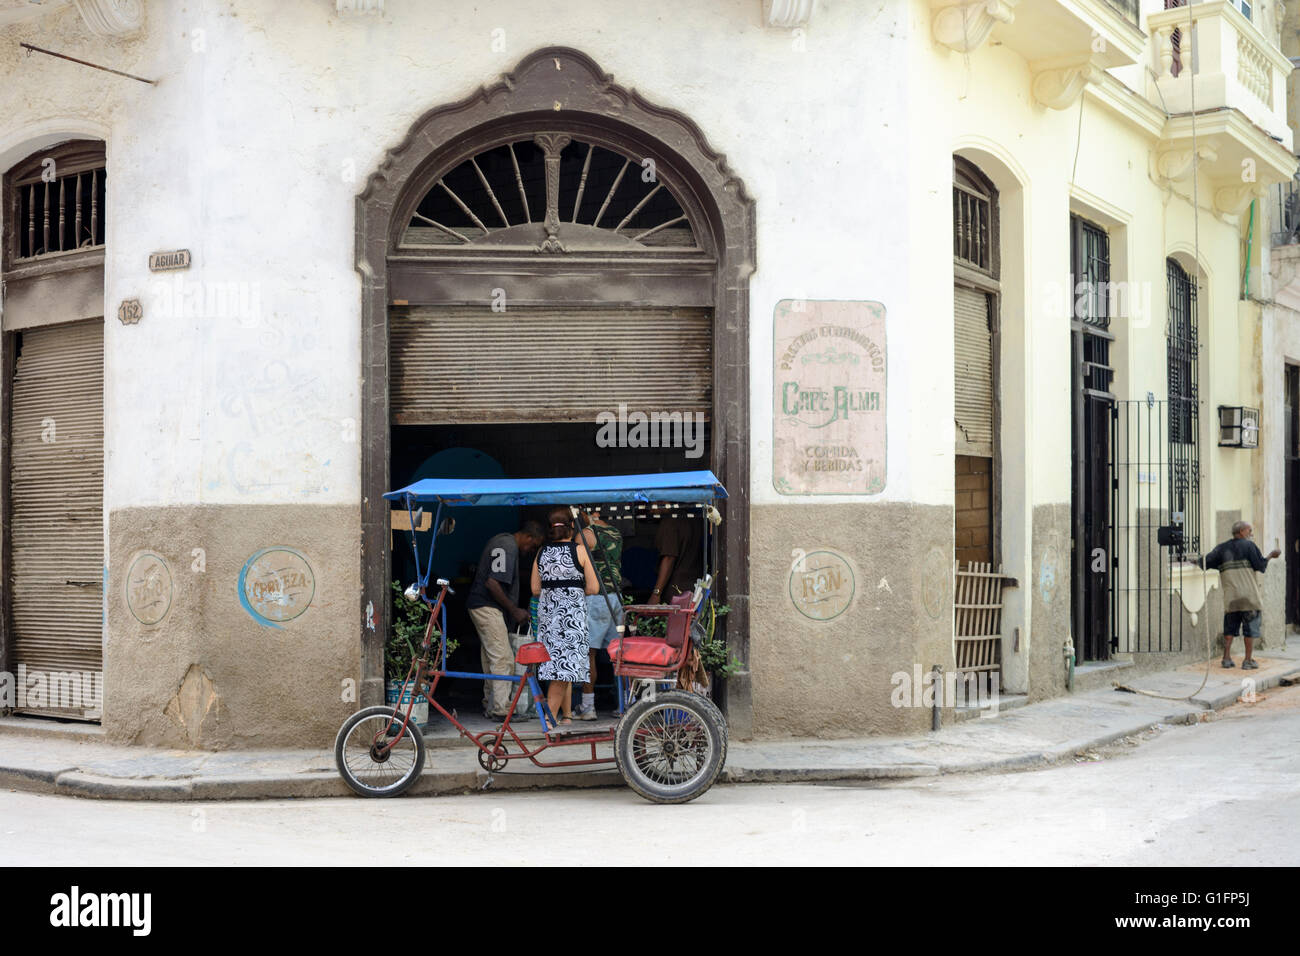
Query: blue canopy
[[691, 487]]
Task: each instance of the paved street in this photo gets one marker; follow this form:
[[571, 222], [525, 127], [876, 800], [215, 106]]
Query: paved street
[[1226, 791]]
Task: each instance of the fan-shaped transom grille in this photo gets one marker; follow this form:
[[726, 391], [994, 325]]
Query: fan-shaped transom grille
[[550, 193]]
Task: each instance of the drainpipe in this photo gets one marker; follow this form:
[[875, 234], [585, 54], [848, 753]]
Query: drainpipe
[[1250, 237], [1069, 664], [936, 715]]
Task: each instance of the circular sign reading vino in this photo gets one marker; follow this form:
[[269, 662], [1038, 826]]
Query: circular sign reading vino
[[276, 585]]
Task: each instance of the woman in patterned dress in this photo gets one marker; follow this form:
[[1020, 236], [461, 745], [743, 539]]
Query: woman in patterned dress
[[562, 577]]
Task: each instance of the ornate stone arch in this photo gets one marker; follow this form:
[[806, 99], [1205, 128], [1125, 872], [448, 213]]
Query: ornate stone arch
[[562, 88]]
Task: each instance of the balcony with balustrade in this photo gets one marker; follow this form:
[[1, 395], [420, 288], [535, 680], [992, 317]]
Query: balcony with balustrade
[[1209, 56]]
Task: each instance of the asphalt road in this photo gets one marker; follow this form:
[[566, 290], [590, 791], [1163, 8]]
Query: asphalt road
[[1223, 792]]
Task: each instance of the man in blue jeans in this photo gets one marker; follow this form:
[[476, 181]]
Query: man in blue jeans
[[1237, 561]]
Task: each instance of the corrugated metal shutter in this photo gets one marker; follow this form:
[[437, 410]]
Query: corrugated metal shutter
[[455, 366], [57, 506], [973, 384]]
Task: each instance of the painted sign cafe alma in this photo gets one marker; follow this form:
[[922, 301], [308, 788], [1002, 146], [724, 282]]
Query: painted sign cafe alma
[[829, 396]]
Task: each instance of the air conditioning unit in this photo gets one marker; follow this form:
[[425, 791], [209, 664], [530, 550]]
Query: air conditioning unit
[[1238, 427]]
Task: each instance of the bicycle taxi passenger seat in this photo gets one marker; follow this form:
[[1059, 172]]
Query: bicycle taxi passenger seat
[[665, 652]]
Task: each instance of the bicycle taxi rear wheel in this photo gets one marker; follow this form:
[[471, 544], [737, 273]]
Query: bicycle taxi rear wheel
[[671, 749], [372, 759]]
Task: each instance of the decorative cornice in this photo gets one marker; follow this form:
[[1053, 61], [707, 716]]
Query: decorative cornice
[[1060, 87], [111, 18], [344, 7], [787, 13], [1176, 163], [966, 26], [1232, 199]]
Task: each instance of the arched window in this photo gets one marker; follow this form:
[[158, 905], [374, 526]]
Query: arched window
[[550, 192]]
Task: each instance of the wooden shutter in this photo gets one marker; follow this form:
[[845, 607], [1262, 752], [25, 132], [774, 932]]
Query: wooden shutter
[[973, 373], [451, 366], [56, 523]]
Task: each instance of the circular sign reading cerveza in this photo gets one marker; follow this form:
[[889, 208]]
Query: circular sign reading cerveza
[[821, 585], [148, 588], [276, 585]]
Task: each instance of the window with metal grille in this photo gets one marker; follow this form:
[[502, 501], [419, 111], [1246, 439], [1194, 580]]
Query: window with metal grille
[[55, 203], [1182, 354], [1184, 441], [1090, 256], [974, 218]]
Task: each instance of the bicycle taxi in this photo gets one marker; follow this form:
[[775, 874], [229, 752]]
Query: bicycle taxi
[[669, 745]]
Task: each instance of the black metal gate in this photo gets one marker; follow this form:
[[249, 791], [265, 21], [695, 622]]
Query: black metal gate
[[1091, 412], [1155, 498]]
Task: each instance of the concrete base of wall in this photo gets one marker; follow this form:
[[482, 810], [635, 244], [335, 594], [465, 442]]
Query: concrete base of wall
[[189, 663]]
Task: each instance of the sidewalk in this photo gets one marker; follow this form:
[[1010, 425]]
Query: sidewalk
[[76, 761]]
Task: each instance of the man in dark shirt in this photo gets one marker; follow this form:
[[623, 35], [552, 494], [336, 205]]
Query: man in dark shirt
[[1238, 560], [493, 602], [681, 557]]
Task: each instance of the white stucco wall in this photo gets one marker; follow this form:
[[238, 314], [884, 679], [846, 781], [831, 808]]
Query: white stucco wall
[[267, 119]]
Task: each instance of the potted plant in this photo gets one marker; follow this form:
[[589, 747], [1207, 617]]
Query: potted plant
[[409, 621]]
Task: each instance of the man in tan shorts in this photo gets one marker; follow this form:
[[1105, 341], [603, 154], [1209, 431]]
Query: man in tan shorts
[[493, 602]]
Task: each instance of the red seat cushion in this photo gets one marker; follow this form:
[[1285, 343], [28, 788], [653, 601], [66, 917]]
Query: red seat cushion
[[642, 650], [533, 652]]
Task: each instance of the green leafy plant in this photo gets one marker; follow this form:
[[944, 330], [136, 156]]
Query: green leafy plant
[[648, 626], [409, 621], [713, 652]]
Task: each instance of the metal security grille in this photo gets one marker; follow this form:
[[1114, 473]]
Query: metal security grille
[[1145, 614], [1184, 420], [1090, 248], [62, 214], [972, 216], [462, 365], [56, 526]]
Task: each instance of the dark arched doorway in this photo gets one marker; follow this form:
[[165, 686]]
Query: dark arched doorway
[[562, 196]]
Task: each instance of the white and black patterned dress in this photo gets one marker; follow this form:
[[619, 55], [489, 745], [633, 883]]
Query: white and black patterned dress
[[562, 613]]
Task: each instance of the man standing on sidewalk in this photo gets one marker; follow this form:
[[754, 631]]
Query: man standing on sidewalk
[[1237, 560], [493, 602]]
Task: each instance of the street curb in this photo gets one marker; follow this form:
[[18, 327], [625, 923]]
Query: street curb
[[74, 782]]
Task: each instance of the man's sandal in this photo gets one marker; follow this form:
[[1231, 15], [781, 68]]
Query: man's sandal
[[1227, 663]]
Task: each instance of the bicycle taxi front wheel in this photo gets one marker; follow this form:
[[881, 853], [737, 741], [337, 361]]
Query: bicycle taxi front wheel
[[671, 749], [372, 758]]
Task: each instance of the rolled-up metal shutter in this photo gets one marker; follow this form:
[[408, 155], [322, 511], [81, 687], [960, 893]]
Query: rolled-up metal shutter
[[973, 374], [452, 365], [56, 523]]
